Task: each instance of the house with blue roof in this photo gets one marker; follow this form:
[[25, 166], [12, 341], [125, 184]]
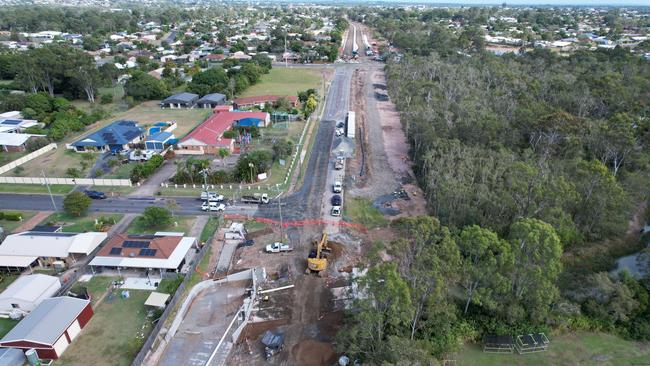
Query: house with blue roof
[[159, 141], [115, 137]]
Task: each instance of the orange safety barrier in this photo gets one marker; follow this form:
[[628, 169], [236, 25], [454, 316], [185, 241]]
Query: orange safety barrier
[[286, 224]]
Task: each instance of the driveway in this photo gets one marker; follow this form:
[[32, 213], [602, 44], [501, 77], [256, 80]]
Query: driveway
[[152, 184]]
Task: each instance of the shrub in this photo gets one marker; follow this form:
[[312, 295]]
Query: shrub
[[12, 216], [154, 216], [146, 169], [2, 215], [106, 99], [19, 170], [230, 134]]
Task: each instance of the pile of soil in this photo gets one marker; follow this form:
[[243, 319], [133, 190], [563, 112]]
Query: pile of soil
[[310, 352]]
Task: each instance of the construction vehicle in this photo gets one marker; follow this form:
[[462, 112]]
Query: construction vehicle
[[317, 259], [256, 198]]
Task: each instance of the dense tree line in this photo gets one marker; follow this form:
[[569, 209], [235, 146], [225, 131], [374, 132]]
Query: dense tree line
[[533, 165]]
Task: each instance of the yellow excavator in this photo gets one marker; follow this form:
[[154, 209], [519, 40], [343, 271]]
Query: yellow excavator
[[317, 260]]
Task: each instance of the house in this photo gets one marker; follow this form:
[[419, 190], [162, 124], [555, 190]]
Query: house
[[261, 100], [13, 142], [17, 123], [26, 292], [239, 55], [50, 327], [115, 137], [26, 249], [181, 100], [208, 138], [162, 252], [159, 141], [215, 58], [211, 100]]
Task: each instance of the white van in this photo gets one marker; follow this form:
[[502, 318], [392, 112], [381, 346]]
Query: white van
[[213, 206]]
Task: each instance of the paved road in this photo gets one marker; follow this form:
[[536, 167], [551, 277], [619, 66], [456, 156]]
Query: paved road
[[303, 204]]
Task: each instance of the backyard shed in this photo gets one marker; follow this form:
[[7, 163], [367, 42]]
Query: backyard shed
[[157, 300], [26, 292], [211, 100], [50, 327]]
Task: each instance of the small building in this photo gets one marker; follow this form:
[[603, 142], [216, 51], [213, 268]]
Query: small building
[[31, 248], [181, 100], [26, 292], [211, 100], [157, 300], [164, 253], [51, 327], [159, 141], [14, 142], [115, 137], [260, 101]]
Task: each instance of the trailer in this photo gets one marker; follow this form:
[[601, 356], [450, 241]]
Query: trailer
[[355, 46], [350, 125], [256, 198]]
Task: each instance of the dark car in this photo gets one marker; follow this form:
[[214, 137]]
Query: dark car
[[96, 195], [246, 243], [336, 200], [340, 125]]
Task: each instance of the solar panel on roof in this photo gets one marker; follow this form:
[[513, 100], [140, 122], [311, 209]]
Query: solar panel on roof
[[147, 252], [11, 122], [36, 233], [116, 251], [135, 244]]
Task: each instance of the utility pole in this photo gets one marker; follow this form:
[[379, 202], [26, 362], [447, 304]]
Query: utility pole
[[286, 65], [281, 223], [47, 184]]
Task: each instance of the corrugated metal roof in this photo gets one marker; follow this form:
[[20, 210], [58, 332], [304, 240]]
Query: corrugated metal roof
[[37, 244], [48, 321], [30, 288]]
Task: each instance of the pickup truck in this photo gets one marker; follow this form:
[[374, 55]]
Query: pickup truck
[[338, 164], [336, 211], [256, 198], [278, 247], [211, 197], [213, 206]]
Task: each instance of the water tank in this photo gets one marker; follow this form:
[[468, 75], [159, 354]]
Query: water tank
[[32, 357], [344, 361]]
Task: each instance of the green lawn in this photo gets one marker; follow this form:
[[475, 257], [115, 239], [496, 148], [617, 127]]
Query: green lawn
[[6, 325], [571, 350], [96, 287], [8, 157], [228, 193], [209, 229], [73, 224], [56, 162], [6, 280], [184, 225], [283, 81], [10, 226], [35, 188], [122, 171], [114, 334], [253, 225], [361, 211]]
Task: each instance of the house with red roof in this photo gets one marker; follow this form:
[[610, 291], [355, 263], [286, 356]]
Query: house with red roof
[[261, 100], [207, 138]]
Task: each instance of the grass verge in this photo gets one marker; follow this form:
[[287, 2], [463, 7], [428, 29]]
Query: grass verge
[[9, 226], [73, 224], [210, 228], [361, 211], [34, 188], [566, 350]]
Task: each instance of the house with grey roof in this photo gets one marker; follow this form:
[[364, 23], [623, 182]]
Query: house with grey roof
[[181, 100], [51, 327], [211, 100]]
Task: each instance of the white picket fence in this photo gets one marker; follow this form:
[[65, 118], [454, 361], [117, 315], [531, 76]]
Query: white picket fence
[[26, 158], [69, 181]]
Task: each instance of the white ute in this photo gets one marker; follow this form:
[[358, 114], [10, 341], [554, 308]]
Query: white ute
[[211, 196], [337, 187], [278, 247], [213, 206], [336, 211]]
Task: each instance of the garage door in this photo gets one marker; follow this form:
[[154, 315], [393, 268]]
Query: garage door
[[74, 330], [61, 345]]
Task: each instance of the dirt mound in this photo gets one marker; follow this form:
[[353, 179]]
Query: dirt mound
[[313, 353], [336, 250]]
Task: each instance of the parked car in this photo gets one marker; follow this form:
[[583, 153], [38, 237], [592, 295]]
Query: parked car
[[213, 206], [336, 211], [337, 187], [336, 200], [278, 247], [211, 196], [96, 195], [246, 243]]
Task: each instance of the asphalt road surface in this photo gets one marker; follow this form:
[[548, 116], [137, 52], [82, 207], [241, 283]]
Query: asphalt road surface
[[303, 204]]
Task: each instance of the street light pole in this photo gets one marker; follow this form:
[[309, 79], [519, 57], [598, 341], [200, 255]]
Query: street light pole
[[47, 184]]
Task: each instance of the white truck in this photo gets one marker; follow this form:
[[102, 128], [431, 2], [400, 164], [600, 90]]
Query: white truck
[[141, 155], [336, 211], [256, 198], [211, 196], [213, 206], [278, 247]]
